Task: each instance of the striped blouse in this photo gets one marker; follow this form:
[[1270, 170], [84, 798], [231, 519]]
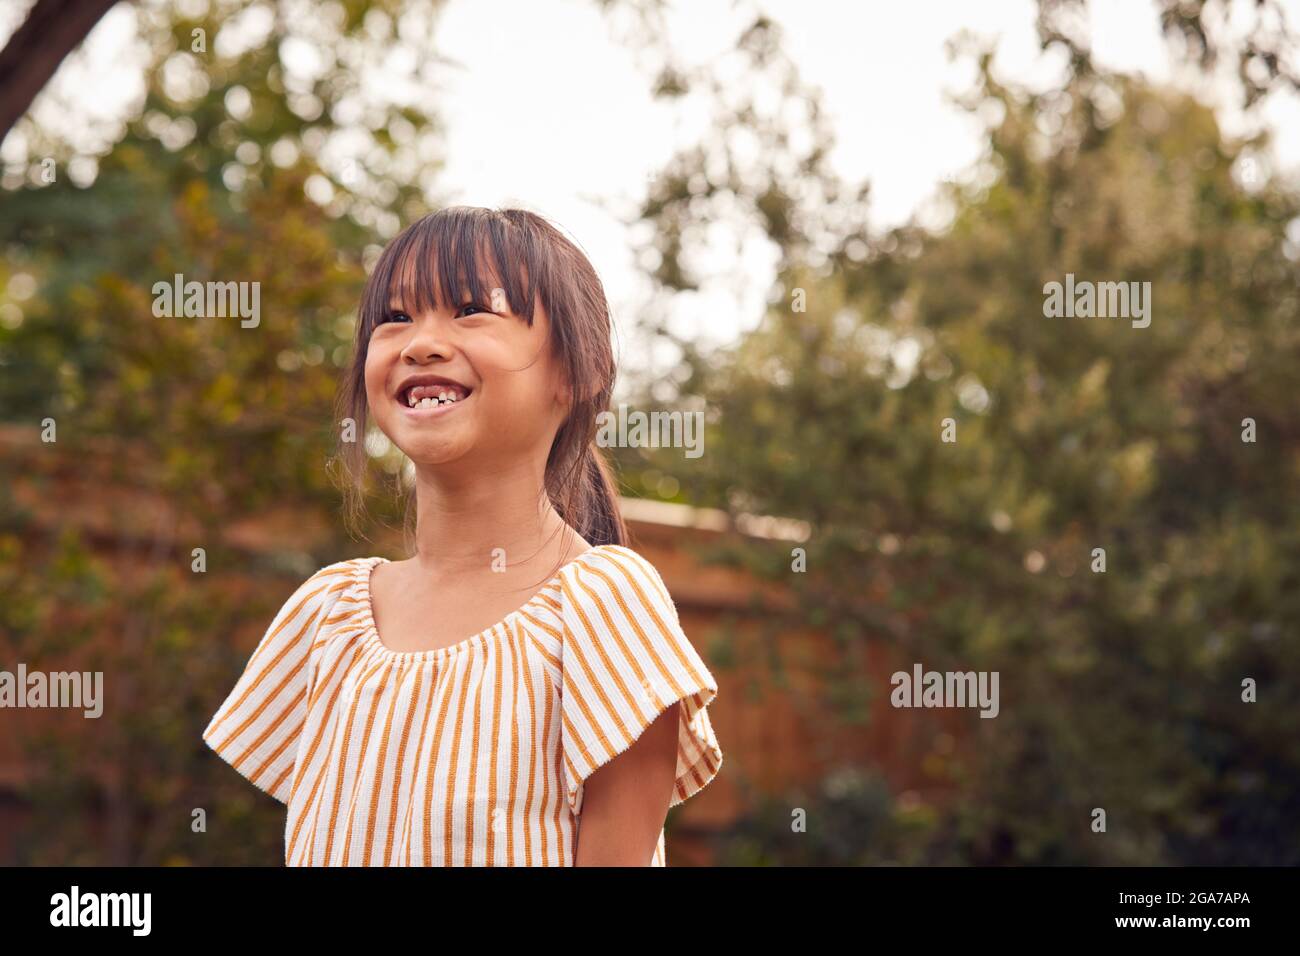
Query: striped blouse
[[473, 754]]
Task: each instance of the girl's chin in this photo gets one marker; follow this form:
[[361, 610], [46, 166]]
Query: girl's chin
[[428, 427], [432, 456]]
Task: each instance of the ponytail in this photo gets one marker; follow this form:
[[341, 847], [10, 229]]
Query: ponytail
[[599, 520], [582, 488]]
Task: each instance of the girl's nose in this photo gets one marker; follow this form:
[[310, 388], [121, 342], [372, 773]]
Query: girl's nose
[[428, 342]]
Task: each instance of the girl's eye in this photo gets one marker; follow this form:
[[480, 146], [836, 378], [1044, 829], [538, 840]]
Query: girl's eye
[[399, 316]]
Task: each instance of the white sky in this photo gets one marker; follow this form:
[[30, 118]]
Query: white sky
[[583, 130]]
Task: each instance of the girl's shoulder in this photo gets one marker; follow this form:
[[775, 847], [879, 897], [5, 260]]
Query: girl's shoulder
[[338, 572], [257, 727], [614, 581], [626, 659], [344, 565], [324, 588], [611, 591], [616, 554]]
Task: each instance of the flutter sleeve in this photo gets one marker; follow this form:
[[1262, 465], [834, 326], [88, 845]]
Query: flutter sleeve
[[626, 660], [256, 729]]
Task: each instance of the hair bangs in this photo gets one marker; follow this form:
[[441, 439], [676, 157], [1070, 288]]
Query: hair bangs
[[448, 259]]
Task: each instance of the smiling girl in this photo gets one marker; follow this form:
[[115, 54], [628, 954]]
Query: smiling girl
[[573, 716]]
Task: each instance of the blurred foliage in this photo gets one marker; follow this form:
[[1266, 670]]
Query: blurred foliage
[[1120, 690], [1253, 36], [211, 180]]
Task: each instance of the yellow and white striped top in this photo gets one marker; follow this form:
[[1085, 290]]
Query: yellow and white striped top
[[468, 755]]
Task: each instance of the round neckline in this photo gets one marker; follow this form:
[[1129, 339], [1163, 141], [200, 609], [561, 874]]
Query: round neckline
[[366, 567]]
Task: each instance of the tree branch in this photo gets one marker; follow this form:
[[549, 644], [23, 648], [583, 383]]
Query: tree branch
[[51, 31]]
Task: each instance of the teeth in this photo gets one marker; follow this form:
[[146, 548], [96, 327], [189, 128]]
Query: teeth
[[430, 401]]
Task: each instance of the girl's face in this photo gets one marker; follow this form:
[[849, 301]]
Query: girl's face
[[504, 393]]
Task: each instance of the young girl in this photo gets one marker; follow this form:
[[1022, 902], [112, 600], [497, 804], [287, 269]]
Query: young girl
[[483, 352]]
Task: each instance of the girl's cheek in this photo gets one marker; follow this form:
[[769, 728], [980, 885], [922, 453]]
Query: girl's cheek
[[371, 396], [374, 376]]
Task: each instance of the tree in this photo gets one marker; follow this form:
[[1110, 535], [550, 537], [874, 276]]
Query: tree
[[52, 30], [1123, 688]]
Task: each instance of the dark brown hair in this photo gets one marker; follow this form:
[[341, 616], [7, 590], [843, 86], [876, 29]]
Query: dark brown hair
[[469, 251]]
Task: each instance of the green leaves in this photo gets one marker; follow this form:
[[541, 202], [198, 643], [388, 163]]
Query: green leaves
[[1069, 434]]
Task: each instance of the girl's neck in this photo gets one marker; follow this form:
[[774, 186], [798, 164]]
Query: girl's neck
[[460, 523]]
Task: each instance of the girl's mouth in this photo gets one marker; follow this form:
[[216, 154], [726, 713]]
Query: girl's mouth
[[426, 400]]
